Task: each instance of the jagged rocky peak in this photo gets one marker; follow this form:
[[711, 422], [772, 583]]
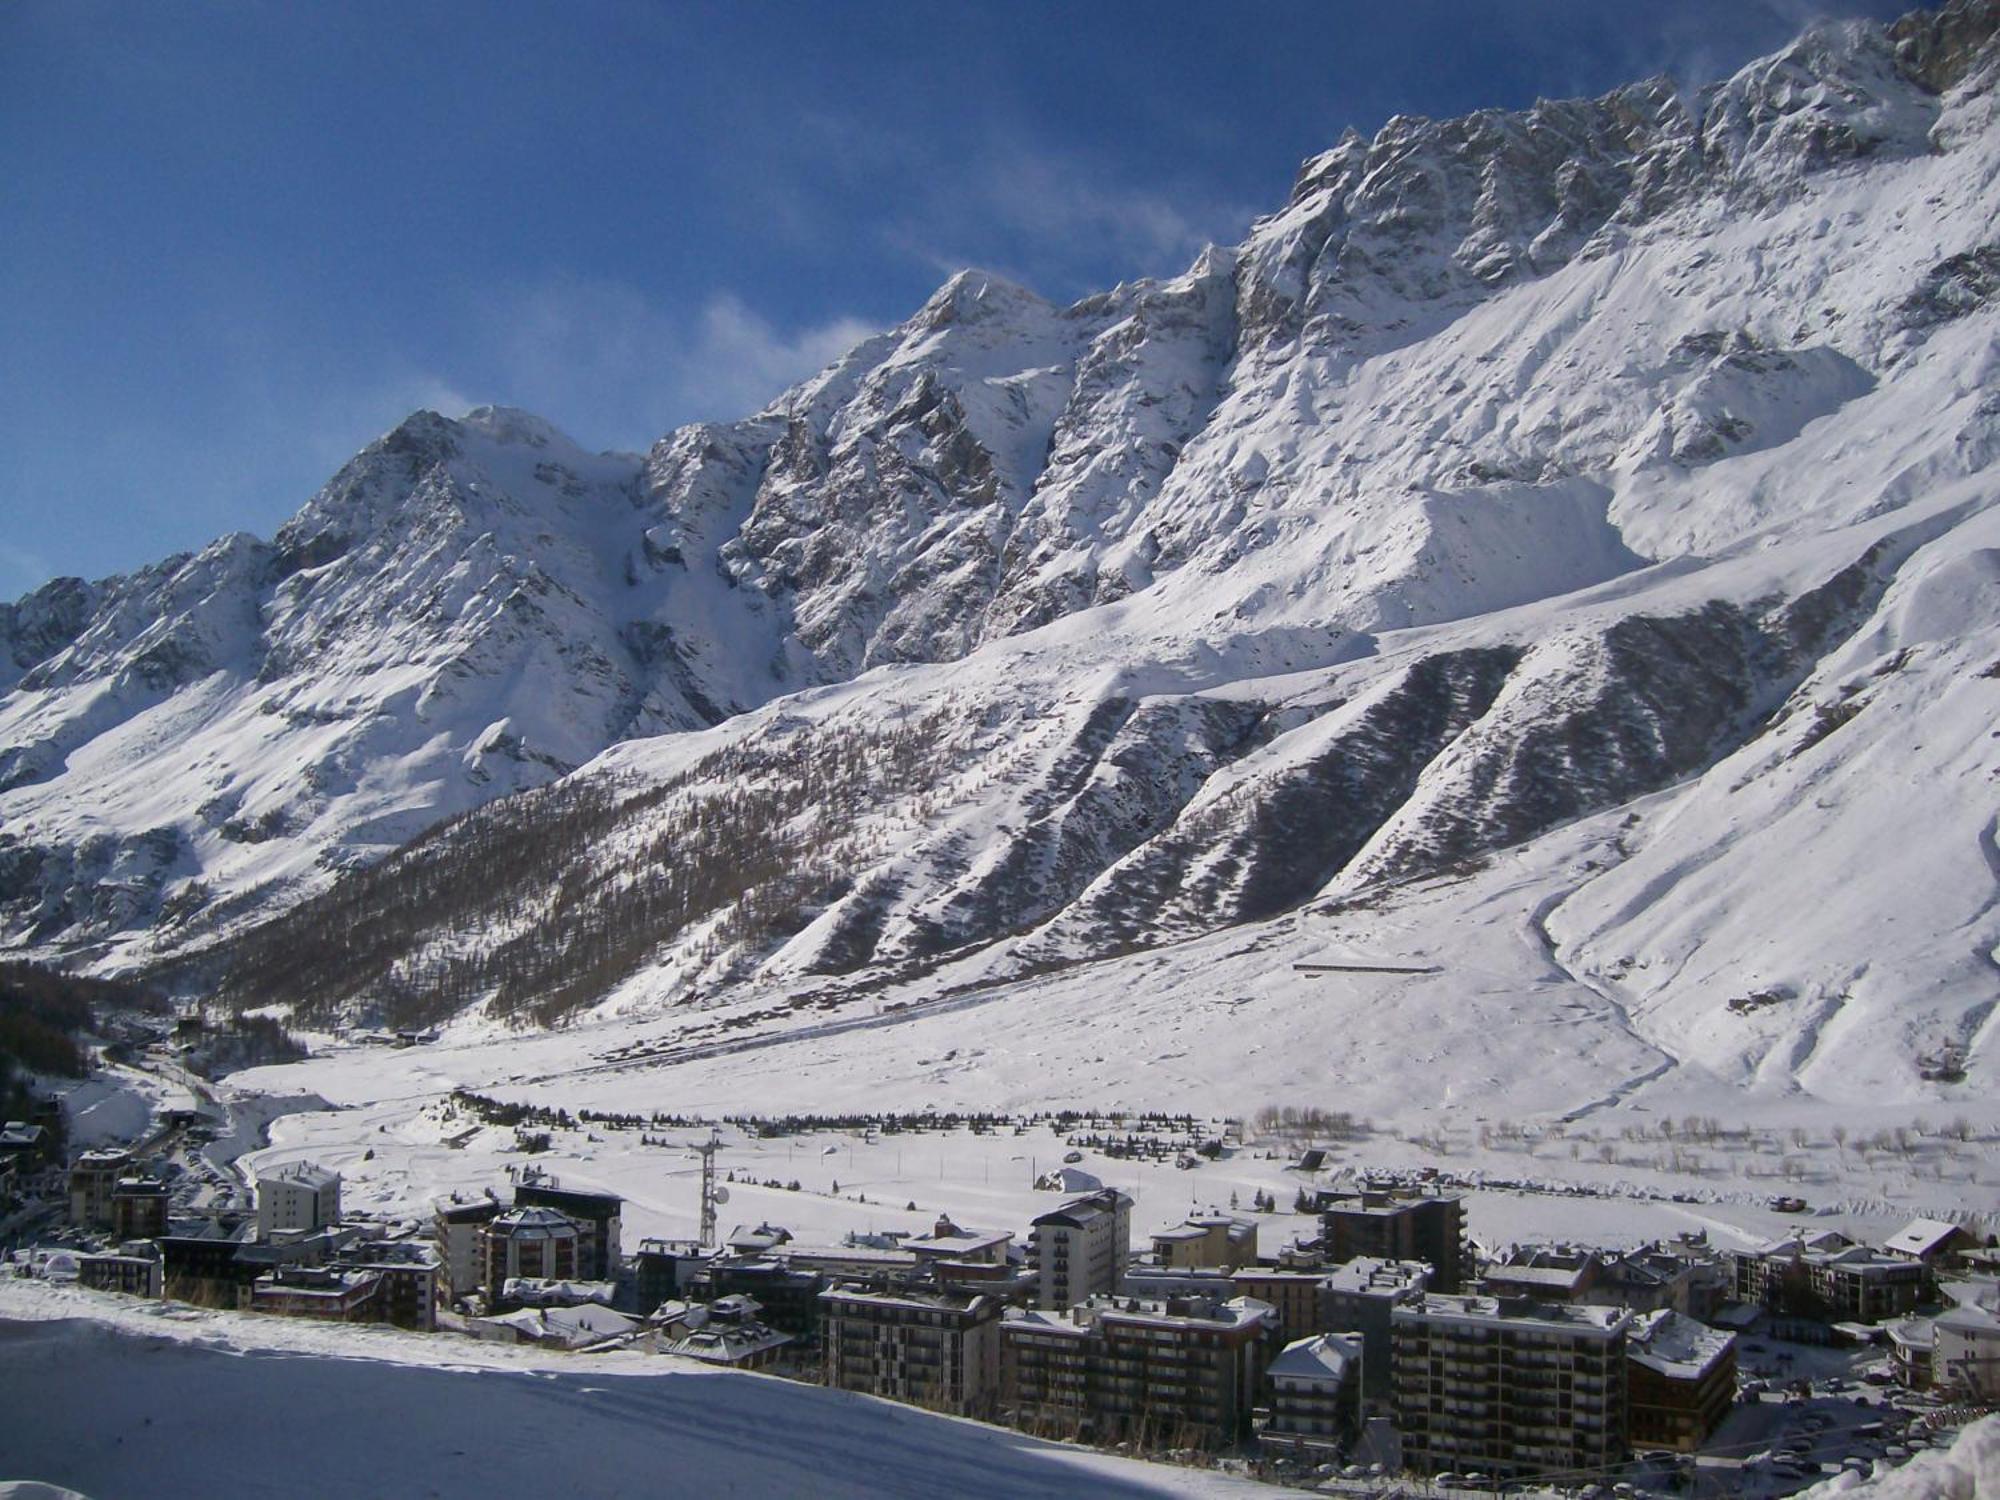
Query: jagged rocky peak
[[898, 474], [973, 296], [167, 624], [42, 623], [352, 503], [1942, 48], [434, 474], [1143, 387], [1836, 94], [1429, 207], [1435, 209], [1460, 501], [698, 479]]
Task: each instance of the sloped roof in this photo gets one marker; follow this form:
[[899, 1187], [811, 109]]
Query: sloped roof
[[1326, 1356], [1969, 1317], [1921, 1237]]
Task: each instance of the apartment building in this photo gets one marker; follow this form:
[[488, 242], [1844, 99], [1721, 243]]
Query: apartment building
[[1080, 1249], [788, 1294], [1548, 1273], [333, 1296], [139, 1208], [1182, 1372], [300, 1196], [597, 1216], [1358, 1298], [1932, 1241], [457, 1229], [1314, 1404], [1206, 1242], [1295, 1296], [1510, 1388], [1966, 1349], [938, 1350], [537, 1242], [1396, 1224], [133, 1269], [93, 1177], [408, 1271], [1681, 1380], [1684, 1275], [1828, 1278]]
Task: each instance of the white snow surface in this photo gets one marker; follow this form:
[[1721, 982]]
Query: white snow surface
[[1967, 1470], [137, 1400]]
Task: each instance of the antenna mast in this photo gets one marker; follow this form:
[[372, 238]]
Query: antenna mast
[[707, 1151]]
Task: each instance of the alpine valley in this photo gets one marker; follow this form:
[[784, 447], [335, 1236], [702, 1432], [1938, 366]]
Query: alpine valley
[[1520, 629]]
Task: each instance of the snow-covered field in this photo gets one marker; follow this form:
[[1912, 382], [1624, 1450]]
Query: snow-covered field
[[1651, 1164], [125, 1402], [118, 1104]]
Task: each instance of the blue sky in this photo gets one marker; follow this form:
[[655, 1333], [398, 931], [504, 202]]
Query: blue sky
[[243, 239]]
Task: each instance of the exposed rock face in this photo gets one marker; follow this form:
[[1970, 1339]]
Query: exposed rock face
[[1519, 467]]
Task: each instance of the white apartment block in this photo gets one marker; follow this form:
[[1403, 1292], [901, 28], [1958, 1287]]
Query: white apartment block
[[301, 1196], [1080, 1249]]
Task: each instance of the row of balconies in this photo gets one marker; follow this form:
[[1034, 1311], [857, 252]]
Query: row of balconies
[[1438, 1410], [1527, 1394], [1501, 1380], [1495, 1354]]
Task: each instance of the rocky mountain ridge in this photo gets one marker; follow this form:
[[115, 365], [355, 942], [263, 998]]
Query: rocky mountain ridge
[[1521, 467]]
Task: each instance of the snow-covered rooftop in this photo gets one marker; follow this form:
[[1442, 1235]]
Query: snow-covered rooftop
[[1381, 1277], [1489, 1312], [1920, 1237], [1676, 1345], [301, 1174], [1326, 1356]]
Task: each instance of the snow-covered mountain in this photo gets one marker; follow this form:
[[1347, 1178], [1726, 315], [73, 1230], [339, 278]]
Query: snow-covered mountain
[[1628, 460]]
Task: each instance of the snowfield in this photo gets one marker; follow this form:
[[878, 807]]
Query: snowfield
[[133, 1401], [1655, 1164]]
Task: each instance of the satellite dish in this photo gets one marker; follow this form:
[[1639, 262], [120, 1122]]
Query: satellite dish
[[721, 1195]]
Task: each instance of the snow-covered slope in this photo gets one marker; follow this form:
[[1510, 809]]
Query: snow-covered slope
[[1627, 458], [201, 1402], [467, 609]]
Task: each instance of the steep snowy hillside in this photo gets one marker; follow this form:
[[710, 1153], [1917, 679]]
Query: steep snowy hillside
[[467, 609], [1628, 457]]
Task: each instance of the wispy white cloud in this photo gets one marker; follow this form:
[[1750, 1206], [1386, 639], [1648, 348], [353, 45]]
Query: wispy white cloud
[[340, 419], [609, 362], [1060, 202], [1053, 226], [743, 360], [1059, 221], [21, 569], [1697, 47], [599, 358]]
